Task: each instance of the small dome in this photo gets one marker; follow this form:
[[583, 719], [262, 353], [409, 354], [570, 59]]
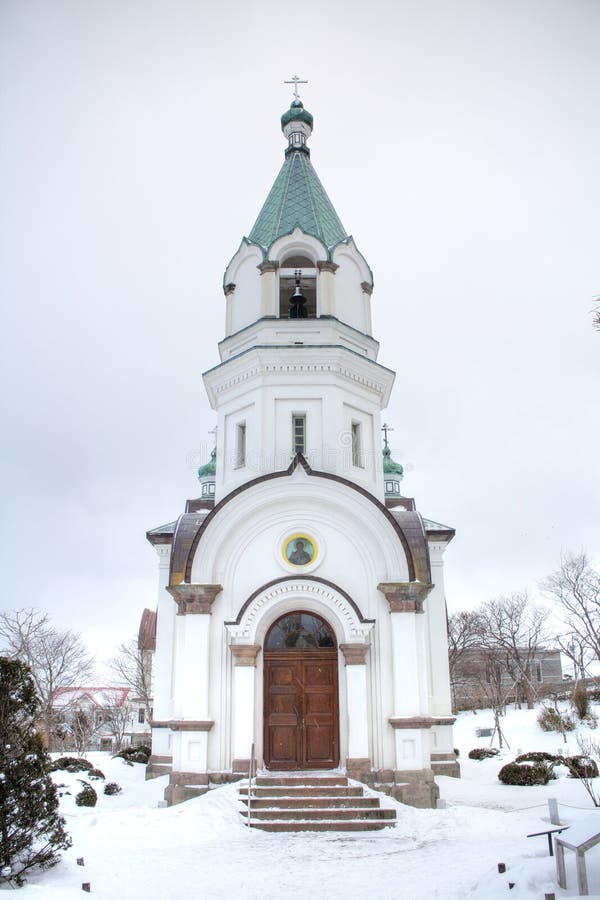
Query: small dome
[[211, 467], [389, 466], [296, 113]]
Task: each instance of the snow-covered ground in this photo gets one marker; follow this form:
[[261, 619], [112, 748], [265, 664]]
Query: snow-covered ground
[[133, 849]]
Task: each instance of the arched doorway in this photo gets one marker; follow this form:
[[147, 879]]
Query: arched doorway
[[301, 717]]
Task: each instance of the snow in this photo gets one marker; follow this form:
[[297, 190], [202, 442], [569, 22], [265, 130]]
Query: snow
[[134, 849]]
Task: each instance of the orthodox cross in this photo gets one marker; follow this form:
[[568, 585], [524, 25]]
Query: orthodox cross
[[385, 428], [296, 81], [213, 431]]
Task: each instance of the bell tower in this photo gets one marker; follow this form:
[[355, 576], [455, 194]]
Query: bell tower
[[298, 369]]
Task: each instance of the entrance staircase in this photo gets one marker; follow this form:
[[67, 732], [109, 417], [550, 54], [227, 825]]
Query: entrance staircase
[[309, 802]]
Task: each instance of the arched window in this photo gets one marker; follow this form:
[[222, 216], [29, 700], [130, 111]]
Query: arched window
[[293, 269], [300, 631]]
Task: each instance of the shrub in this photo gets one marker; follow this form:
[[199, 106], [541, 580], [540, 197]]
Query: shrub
[[71, 764], [96, 774], [483, 753], [112, 788], [525, 773], [540, 756], [33, 831], [550, 719], [580, 700], [87, 796], [581, 767], [139, 754]]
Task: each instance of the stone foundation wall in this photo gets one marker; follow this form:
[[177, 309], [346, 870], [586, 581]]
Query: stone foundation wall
[[158, 765], [445, 764], [187, 785], [414, 787]]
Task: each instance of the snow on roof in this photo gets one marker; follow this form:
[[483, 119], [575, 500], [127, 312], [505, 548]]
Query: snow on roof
[[99, 696]]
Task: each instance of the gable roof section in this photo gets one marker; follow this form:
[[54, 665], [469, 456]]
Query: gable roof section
[[98, 696], [297, 199], [191, 527]]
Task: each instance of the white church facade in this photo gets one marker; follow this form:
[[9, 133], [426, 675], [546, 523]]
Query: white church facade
[[301, 608]]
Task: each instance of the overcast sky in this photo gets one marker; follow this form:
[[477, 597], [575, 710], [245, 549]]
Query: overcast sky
[[459, 142]]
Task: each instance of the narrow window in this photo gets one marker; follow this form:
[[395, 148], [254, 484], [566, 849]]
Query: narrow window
[[356, 445], [141, 716], [240, 445], [299, 434]]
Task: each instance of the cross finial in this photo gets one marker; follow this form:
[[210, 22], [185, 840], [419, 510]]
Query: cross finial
[[213, 431], [295, 81], [385, 428]]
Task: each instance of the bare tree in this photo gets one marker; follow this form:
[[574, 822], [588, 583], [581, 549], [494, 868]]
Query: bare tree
[[575, 587], [57, 659], [513, 630], [117, 717], [463, 637], [83, 725], [571, 645], [133, 668]]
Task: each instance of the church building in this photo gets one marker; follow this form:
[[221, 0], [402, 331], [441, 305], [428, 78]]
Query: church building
[[301, 610]]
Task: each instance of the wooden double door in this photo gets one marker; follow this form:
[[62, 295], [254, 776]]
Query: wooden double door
[[301, 717]]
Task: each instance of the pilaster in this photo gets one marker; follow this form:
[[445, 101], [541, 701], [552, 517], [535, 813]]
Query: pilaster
[[244, 674], [269, 288], [326, 287], [162, 664], [355, 658]]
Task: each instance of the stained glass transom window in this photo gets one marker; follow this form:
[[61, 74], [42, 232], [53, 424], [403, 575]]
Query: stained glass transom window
[[300, 631]]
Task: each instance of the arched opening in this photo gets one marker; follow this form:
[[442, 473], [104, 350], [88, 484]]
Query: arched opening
[[297, 271], [301, 707]]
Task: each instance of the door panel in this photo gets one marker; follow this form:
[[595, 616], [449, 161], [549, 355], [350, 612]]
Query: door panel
[[283, 705], [301, 710]]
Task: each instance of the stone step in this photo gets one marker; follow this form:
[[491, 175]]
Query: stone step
[[311, 802], [312, 791], [322, 825], [332, 815], [301, 780]]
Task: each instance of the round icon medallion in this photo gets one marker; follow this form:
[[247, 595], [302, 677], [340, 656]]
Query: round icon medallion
[[299, 550]]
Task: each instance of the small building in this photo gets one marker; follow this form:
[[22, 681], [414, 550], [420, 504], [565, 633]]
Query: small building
[[482, 677], [98, 718]]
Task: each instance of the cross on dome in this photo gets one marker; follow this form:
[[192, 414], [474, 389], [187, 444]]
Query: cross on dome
[[295, 81], [385, 428]]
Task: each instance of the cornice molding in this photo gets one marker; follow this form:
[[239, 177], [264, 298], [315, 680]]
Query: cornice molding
[[194, 599], [405, 596], [245, 654], [355, 654]]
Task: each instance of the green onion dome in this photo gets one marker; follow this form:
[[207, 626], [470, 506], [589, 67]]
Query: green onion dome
[[390, 467], [296, 113], [211, 467]]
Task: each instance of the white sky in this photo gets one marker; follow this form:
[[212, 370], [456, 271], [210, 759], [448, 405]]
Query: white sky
[[459, 142]]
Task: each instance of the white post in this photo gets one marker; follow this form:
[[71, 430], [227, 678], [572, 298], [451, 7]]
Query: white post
[[243, 703], [355, 657]]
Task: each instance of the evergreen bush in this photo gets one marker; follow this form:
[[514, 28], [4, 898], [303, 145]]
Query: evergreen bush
[[87, 796], [539, 756], [139, 754], [483, 753], [581, 767], [30, 825], [112, 788], [71, 764], [525, 773], [96, 774]]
